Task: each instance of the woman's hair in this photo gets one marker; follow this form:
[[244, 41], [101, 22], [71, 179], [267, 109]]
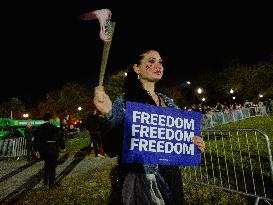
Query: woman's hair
[[132, 87]]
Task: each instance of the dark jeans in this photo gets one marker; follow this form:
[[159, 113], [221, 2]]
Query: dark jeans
[[96, 143], [30, 152], [50, 170]]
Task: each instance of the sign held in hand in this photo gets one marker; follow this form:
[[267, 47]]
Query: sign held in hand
[[158, 135]]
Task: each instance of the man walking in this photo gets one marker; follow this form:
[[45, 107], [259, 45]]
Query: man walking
[[47, 142], [29, 140]]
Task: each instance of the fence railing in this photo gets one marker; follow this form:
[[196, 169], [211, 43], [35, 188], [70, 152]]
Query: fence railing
[[237, 161], [14, 147], [219, 118]]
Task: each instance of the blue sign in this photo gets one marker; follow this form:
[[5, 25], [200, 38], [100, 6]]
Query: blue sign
[[160, 135]]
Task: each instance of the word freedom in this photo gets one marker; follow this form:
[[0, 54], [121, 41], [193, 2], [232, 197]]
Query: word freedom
[[170, 132]]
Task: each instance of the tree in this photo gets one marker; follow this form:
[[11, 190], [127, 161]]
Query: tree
[[248, 81], [263, 76], [114, 86], [65, 102], [51, 104], [13, 108], [73, 95], [176, 93]]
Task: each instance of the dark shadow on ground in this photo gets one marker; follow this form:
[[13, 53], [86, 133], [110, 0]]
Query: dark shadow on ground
[[14, 172], [14, 196], [78, 157]]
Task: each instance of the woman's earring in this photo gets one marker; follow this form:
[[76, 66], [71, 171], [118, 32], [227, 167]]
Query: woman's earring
[[138, 76]]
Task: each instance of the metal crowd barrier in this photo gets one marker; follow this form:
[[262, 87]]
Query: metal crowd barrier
[[13, 147], [237, 161], [219, 118]]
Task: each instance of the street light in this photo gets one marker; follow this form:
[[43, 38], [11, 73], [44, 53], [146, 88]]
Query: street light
[[199, 90], [261, 96], [231, 91], [79, 108], [185, 84], [25, 115]]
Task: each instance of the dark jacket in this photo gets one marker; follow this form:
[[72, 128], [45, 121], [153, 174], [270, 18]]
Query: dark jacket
[[93, 124], [29, 134], [48, 140]]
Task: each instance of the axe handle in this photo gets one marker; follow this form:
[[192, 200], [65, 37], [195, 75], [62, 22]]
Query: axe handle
[[105, 54]]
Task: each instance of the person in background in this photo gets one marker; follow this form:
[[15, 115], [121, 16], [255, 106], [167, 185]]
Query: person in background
[[29, 130], [93, 126], [64, 128], [139, 183], [47, 142]]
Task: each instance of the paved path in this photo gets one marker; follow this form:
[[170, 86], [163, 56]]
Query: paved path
[[18, 176]]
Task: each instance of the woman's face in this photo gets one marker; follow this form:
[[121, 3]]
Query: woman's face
[[150, 67]]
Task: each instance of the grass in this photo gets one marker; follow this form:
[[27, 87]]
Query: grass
[[88, 188], [75, 145], [196, 195], [94, 187], [263, 123], [240, 151]]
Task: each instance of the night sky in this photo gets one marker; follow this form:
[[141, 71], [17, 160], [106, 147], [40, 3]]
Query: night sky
[[45, 44]]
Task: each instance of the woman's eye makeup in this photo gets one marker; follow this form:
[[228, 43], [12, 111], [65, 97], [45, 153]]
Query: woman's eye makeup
[[154, 61]]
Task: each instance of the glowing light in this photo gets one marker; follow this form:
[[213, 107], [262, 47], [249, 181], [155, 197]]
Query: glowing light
[[25, 115], [199, 90]]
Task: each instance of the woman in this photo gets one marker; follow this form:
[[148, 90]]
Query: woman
[[139, 183]]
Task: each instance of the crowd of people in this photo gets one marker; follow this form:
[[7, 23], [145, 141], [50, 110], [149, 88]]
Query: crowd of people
[[224, 107]]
